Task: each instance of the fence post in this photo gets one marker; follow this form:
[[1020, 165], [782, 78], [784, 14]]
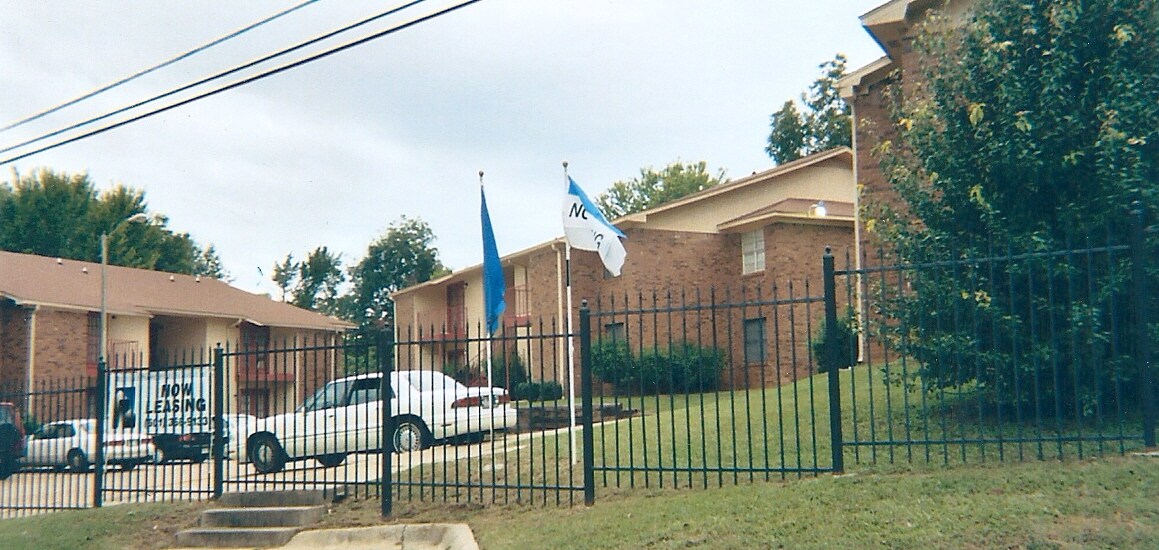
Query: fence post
[[218, 428], [99, 452], [1142, 302], [828, 273], [585, 335], [385, 356]]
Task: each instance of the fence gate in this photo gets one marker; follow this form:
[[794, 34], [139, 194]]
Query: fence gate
[[705, 389]]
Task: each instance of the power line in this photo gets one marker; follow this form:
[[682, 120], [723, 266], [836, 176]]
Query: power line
[[161, 65], [199, 83]]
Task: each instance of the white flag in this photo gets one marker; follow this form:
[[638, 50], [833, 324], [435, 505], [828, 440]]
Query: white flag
[[585, 228]]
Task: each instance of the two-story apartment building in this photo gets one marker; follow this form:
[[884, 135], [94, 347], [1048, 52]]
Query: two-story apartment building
[[768, 228], [50, 327]]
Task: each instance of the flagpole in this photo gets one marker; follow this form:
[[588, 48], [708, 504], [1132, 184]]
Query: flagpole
[[570, 343]]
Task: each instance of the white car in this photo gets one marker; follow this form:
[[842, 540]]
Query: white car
[[344, 416], [237, 429], [72, 444]]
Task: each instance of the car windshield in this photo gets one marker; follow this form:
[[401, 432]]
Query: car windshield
[[428, 380], [329, 396]]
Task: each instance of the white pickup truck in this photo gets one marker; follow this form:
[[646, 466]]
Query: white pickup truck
[[345, 416]]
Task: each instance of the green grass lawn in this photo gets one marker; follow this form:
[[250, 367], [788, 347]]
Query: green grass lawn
[[1102, 503], [764, 434]]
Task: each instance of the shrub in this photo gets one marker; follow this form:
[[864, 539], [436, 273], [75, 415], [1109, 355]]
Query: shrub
[[685, 368], [843, 351], [612, 362], [507, 371], [548, 390]]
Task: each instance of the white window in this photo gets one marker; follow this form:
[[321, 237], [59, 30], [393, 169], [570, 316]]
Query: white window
[[752, 248]]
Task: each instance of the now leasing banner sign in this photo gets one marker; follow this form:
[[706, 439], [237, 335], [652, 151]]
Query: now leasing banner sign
[[163, 401]]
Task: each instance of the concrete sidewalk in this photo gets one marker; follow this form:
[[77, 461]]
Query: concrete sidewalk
[[432, 536]]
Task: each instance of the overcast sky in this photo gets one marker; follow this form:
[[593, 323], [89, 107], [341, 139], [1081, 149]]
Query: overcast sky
[[333, 152]]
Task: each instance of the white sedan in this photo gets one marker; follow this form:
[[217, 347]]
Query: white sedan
[[72, 444], [345, 416], [238, 428]]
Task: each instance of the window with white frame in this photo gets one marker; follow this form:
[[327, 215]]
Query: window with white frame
[[752, 249]]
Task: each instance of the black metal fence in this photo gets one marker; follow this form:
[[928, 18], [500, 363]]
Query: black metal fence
[[525, 449], [152, 442], [999, 357], [706, 389], [41, 486], [996, 357]]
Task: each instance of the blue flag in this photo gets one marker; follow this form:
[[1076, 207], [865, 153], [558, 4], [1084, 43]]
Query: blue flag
[[493, 285]]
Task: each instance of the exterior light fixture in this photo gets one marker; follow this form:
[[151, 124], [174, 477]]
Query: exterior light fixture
[[819, 209]]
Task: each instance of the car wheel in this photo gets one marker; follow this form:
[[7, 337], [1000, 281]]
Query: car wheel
[[267, 455], [128, 466], [330, 461], [77, 461], [159, 456], [410, 434]]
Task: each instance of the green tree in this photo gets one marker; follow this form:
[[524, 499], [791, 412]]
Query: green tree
[[403, 256], [318, 281], [208, 263], [285, 274], [653, 188], [824, 124], [1032, 124], [787, 139], [59, 214]]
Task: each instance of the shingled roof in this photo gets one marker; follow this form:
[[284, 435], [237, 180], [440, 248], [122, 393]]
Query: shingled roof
[[28, 279]]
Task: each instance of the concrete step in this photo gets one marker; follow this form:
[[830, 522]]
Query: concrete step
[[266, 499], [272, 516], [251, 537]]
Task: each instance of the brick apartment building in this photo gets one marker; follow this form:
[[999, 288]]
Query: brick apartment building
[[50, 327], [894, 25], [739, 238]]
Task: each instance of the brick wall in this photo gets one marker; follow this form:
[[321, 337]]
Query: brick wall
[[13, 347], [875, 125], [787, 295], [661, 261], [669, 268], [61, 344]]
